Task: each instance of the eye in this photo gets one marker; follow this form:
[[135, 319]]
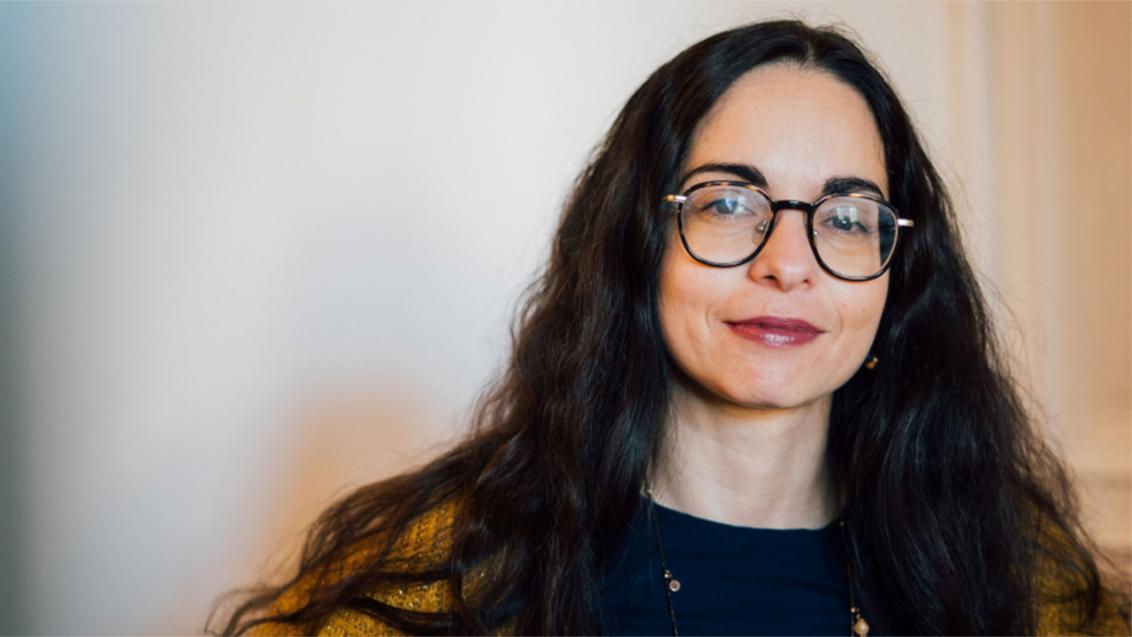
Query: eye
[[728, 206], [847, 219]]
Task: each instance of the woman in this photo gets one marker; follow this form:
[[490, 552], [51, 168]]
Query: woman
[[755, 391]]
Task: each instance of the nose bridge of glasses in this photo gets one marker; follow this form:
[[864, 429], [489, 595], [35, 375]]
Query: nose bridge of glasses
[[782, 205], [777, 207], [791, 204]]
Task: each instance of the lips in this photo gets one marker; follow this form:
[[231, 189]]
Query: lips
[[776, 331]]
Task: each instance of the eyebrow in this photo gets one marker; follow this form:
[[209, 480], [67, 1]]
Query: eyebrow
[[754, 176]]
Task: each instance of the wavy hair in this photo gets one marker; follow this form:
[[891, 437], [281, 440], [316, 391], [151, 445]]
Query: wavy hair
[[953, 502]]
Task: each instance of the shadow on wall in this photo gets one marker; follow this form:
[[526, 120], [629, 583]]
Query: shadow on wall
[[11, 582], [341, 440]]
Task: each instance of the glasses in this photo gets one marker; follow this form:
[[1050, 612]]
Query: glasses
[[726, 223]]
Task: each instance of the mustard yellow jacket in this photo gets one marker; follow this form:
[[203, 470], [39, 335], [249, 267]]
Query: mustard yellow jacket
[[429, 538]]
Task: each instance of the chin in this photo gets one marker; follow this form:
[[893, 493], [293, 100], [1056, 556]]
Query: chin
[[763, 397], [771, 400], [751, 389]]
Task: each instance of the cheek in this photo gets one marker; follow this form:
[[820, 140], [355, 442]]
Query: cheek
[[677, 298], [861, 316], [687, 297]]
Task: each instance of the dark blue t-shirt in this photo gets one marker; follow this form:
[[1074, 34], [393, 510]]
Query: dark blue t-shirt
[[734, 580]]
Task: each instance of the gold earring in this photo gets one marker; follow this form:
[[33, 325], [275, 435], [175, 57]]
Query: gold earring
[[872, 362]]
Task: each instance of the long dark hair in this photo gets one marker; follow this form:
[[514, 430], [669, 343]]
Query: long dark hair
[[953, 502]]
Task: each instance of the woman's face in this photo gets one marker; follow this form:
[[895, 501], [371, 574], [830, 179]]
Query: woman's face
[[732, 330]]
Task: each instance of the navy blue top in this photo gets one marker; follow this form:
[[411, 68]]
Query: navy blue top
[[734, 580]]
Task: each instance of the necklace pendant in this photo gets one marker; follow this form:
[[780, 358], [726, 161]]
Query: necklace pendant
[[861, 627], [673, 583]]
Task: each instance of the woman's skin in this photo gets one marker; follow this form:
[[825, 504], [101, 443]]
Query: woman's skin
[[751, 415]]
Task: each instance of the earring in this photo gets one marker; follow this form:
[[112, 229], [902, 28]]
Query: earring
[[872, 363]]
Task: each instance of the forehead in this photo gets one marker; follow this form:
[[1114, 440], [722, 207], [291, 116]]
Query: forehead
[[797, 125]]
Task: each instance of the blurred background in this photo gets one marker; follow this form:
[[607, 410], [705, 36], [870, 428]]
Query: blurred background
[[254, 255]]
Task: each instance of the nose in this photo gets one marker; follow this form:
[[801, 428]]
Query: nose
[[786, 261]]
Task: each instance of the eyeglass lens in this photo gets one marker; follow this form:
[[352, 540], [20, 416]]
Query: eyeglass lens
[[724, 225]]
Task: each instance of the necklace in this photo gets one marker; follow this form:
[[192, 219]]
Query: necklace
[[857, 625]]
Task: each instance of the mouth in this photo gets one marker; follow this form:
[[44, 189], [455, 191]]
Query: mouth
[[776, 331]]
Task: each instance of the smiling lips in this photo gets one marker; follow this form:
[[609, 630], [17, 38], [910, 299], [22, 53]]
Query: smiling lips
[[775, 331]]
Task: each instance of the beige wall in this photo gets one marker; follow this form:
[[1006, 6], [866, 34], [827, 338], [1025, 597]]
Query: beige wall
[[1059, 159], [226, 313]]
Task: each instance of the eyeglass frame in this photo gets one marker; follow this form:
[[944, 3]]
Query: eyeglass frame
[[677, 203]]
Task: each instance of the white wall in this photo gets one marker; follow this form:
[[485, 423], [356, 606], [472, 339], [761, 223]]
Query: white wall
[[264, 252]]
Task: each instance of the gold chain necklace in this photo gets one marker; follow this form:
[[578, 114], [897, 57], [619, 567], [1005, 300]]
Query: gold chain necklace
[[858, 626]]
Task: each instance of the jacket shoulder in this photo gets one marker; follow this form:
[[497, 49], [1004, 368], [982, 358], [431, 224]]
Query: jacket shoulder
[[1063, 617], [1061, 589], [425, 544]]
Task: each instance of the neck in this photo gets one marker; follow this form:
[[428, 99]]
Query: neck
[[743, 466]]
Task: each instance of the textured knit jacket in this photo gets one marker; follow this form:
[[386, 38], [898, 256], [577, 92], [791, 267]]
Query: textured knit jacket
[[429, 538]]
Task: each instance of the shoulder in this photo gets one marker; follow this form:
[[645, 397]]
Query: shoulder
[[426, 544], [1061, 614], [1063, 592]]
